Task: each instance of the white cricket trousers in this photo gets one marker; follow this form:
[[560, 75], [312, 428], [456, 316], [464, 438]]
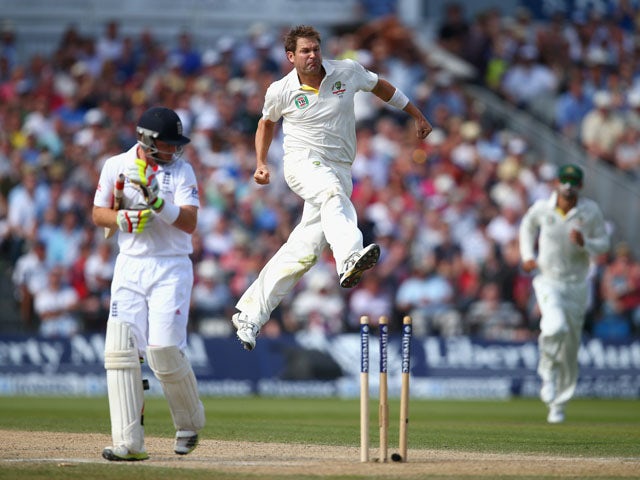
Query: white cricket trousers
[[563, 306], [328, 217], [153, 295]]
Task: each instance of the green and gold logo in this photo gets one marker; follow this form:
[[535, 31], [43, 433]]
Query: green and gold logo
[[301, 101]]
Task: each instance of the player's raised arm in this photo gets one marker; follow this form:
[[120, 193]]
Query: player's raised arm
[[386, 92]]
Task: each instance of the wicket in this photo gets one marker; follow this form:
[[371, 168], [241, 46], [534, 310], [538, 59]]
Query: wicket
[[383, 410]]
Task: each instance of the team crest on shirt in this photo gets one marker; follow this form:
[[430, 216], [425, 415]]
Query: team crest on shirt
[[301, 101], [338, 88]]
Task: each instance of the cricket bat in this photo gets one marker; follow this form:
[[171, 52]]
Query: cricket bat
[[118, 195]]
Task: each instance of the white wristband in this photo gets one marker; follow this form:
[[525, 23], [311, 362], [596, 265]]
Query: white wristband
[[398, 100], [169, 212]]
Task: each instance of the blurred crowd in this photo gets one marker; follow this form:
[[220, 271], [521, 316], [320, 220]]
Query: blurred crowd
[[445, 210]]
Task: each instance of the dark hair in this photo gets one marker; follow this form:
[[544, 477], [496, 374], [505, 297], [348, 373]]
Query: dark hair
[[301, 31]]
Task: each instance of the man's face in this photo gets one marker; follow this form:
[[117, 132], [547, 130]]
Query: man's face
[[568, 190], [307, 59], [167, 151]]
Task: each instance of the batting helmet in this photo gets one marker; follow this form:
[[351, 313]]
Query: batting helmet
[[160, 123]]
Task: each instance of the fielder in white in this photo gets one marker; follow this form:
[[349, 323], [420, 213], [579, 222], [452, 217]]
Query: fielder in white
[[315, 101], [152, 282], [569, 230]]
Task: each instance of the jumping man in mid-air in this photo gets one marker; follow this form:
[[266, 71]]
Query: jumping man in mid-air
[[315, 101]]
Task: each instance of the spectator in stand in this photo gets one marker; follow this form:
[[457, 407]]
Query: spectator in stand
[[503, 228], [528, 80], [30, 275], [109, 45], [372, 299], [571, 108], [319, 307], [98, 274], [620, 289], [445, 94], [492, 318], [632, 114], [454, 29], [553, 43], [56, 305], [185, 55], [211, 299], [64, 243], [427, 295], [626, 154], [22, 214], [601, 128]]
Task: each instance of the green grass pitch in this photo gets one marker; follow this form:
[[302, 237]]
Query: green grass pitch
[[594, 428]]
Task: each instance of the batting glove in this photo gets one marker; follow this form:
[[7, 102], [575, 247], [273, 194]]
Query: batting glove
[[143, 175], [134, 221]]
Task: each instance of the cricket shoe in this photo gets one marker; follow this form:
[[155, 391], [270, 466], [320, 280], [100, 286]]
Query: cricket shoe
[[355, 265], [121, 453], [556, 414], [246, 330], [186, 442]]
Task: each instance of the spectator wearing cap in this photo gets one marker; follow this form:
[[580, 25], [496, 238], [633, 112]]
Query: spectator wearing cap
[[568, 230], [601, 128]]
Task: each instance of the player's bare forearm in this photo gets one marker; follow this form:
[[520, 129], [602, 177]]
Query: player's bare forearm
[[385, 90], [423, 126], [187, 221], [264, 137], [104, 217]]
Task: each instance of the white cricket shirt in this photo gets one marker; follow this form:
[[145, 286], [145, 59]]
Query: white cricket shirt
[[322, 121], [178, 185], [558, 257]]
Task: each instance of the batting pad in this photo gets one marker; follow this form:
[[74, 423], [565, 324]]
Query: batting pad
[[124, 386], [175, 374]]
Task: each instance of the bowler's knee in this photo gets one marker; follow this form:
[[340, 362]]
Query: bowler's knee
[[553, 323]]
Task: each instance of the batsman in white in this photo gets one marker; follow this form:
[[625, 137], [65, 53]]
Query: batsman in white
[[316, 102], [152, 282], [569, 230]]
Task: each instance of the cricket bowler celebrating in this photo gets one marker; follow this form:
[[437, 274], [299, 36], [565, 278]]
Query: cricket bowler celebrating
[[315, 101], [569, 230], [152, 282]]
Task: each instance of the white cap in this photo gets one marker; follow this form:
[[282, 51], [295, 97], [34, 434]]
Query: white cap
[[516, 146], [602, 99], [211, 57], [209, 269], [633, 98], [93, 117]]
